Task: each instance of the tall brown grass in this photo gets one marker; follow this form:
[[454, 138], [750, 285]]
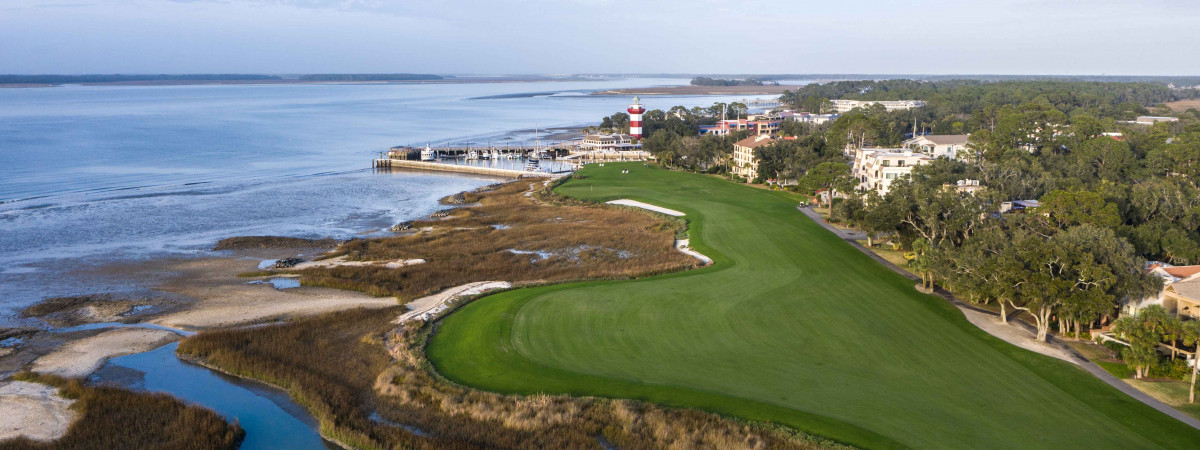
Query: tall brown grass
[[118, 418], [575, 240], [370, 386]]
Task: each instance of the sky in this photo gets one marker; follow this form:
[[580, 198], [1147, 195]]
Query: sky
[[1060, 37]]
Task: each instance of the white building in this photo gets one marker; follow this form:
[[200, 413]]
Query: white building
[[1151, 120], [744, 162], [877, 168], [844, 106], [607, 142], [815, 119], [939, 145]]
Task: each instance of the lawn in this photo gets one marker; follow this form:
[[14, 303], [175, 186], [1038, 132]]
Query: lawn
[[792, 325]]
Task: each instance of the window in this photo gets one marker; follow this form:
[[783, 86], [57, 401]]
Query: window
[[900, 163], [890, 176]]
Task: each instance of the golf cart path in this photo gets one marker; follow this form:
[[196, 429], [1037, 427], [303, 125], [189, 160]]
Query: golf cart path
[[1011, 332]]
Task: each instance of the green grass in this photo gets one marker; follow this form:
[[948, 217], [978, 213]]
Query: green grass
[[791, 325]]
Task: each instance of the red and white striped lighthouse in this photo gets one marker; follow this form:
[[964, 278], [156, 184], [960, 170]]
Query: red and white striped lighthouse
[[635, 119]]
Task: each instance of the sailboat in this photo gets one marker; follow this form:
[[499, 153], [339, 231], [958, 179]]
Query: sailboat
[[428, 154]]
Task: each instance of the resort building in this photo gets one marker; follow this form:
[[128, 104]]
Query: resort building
[[1019, 205], [607, 142], [844, 106], [877, 168], [815, 119], [939, 145], [745, 164], [1180, 294], [760, 124]]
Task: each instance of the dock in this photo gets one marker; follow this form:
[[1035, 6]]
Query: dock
[[391, 163]]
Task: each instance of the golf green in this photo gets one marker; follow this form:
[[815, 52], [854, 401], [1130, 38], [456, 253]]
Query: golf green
[[790, 325]]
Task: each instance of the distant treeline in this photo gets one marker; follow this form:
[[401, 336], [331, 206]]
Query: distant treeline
[[117, 78], [705, 81], [369, 77]]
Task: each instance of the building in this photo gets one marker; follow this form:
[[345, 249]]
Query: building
[[1151, 120], [1180, 294], [1019, 205], [843, 106], [635, 118], [607, 142], [815, 119], [967, 186], [761, 124], [877, 168], [744, 162], [939, 145]]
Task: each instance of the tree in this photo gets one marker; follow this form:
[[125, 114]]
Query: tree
[[1070, 208], [1190, 335], [1143, 332], [828, 176]]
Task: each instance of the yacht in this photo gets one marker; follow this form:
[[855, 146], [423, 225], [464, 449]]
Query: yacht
[[495, 154], [472, 155], [428, 154]]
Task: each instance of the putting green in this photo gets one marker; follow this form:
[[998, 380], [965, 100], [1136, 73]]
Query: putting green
[[790, 325]]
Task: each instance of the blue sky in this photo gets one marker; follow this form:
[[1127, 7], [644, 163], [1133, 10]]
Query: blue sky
[[1143, 37]]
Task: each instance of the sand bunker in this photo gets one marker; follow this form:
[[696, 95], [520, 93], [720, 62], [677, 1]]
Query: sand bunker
[[637, 204], [425, 307]]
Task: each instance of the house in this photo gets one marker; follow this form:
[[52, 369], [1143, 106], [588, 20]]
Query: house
[[1180, 294], [607, 142], [939, 145], [877, 168], [967, 186], [1018, 205], [745, 164], [844, 106]]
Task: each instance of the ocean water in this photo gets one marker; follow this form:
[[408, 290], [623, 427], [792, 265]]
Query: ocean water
[[93, 174]]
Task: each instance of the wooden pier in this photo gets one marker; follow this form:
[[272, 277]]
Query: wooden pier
[[389, 163]]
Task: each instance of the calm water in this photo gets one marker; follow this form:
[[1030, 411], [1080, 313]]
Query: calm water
[[94, 174], [271, 419]]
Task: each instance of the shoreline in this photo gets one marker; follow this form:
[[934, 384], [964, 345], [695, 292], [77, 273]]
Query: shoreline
[[701, 90], [457, 80]]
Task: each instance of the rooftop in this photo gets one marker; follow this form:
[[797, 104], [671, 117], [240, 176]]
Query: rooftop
[[946, 139]]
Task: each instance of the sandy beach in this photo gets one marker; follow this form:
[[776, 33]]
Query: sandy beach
[[80, 358], [34, 411]]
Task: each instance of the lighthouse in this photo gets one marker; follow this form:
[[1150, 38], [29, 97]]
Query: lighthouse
[[635, 119]]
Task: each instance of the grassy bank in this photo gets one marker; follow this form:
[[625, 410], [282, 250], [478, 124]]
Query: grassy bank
[[512, 237], [117, 418], [368, 385], [791, 325]]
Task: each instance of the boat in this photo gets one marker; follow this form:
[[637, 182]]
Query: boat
[[472, 155], [495, 154], [428, 154], [532, 165]]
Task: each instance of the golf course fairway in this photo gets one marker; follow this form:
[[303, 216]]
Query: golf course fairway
[[791, 325]]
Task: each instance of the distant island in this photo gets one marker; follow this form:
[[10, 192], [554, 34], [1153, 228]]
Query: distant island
[[705, 81]]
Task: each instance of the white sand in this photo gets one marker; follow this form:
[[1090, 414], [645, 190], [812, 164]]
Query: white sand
[[223, 299], [82, 357], [33, 410], [425, 307], [682, 246], [341, 261], [637, 204]]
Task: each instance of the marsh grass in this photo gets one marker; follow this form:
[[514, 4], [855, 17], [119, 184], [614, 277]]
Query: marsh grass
[[554, 239], [370, 386], [118, 418]]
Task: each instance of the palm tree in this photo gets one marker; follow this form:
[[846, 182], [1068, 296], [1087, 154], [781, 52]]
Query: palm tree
[[1189, 333], [1143, 331]]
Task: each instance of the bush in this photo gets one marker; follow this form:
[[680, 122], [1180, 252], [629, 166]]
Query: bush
[[1175, 370]]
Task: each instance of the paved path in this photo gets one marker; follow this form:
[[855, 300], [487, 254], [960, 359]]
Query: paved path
[[1076, 357]]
